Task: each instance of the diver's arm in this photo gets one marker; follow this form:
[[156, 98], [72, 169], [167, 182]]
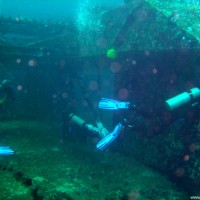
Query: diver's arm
[[76, 120]]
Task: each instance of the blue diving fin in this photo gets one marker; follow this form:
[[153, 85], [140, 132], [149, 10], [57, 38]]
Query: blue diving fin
[[108, 139], [6, 151]]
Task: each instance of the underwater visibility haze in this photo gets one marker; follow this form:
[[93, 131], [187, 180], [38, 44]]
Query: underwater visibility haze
[[48, 9], [99, 100]]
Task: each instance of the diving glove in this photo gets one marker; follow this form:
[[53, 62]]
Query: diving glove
[[102, 130]]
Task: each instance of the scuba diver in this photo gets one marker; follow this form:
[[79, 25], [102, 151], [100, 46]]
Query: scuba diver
[[136, 120], [6, 94]]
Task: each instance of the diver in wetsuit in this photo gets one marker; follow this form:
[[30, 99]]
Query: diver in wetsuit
[[6, 94], [135, 119]]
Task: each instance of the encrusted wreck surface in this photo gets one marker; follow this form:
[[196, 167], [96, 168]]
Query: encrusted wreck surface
[[138, 25], [45, 168]]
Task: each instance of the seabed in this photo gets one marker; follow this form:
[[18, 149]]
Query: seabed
[[44, 167]]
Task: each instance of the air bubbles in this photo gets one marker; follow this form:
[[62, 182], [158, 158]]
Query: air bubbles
[[18, 61], [54, 96], [85, 103], [19, 88], [173, 78], [134, 62], [186, 157], [134, 194], [32, 63], [167, 117], [175, 16], [193, 147], [189, 84], [179, 172], [189, 29], [101, 42], [106, 83], [155, 71], [17, 19], [123, 93], [115, 67], [64, 95], [93, 85], [48, 53], [146, 53], [142, 15], [62, 63]]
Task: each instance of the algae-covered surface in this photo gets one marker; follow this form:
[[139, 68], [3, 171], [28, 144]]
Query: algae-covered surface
[[44, 167], [185, 14], [144, 25]]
